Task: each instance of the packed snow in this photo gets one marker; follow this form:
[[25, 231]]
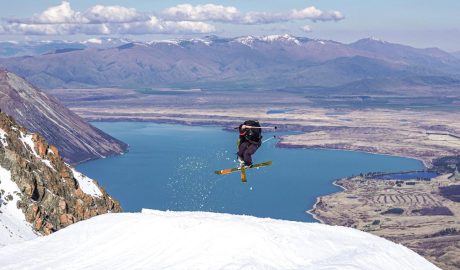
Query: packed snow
[[87, 184], [198, 240], [27, 140], [3, 136], [13, 225]]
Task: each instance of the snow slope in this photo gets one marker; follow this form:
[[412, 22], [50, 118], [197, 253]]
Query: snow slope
[[86, 184], [13, 225], [198, 240]]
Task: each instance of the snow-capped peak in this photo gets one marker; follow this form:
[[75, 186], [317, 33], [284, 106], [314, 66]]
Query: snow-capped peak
[[93, 40], [374, 39], [282, 38], [201, 40], [198, 240], [164, 41], [246, 40], [250, 40]]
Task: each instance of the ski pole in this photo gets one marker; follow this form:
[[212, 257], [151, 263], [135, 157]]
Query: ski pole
[[275, 127], [269, 139]]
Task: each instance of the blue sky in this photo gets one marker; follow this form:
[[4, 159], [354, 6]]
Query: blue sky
[[419, 23]]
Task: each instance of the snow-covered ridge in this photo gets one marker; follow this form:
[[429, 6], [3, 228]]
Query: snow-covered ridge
[[27, 141], [245, 40], [198, 240], [208, 40], [281, 38], [86, 184]]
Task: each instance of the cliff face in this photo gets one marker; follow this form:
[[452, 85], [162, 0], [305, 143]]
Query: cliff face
[[52, 195], [77, 140]]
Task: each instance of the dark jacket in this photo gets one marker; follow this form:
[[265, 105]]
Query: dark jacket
[[253, 135]]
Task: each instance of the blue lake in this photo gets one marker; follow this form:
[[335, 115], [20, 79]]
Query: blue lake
[[171, 167]]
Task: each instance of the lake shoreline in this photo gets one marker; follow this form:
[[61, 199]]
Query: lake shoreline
[[279, 144], [352, 163], [427, 220]]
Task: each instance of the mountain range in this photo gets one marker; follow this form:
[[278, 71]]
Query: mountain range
[[269, 62], [30, 48], [76, 140]]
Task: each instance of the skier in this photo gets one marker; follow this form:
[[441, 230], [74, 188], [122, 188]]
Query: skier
[[250, 141]]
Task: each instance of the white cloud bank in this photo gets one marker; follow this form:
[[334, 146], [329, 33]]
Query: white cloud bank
[[180, 19], [99, 20], [219, 13], [208, 12]]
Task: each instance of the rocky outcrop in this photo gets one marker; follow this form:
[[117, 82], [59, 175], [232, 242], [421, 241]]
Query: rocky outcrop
[[77, 140], [52, 195]]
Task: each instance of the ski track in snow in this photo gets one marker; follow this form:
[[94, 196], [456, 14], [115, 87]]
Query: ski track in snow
[[202, 240]]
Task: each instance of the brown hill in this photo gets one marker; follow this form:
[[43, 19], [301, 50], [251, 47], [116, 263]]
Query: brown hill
[[76, 140]]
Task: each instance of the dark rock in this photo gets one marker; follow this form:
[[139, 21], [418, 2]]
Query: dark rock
[[50, 196]]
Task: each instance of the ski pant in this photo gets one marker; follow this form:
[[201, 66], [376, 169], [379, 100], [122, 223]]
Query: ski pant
[[246, 150]]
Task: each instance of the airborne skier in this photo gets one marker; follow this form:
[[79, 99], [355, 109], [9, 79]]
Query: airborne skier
[[250, 141]]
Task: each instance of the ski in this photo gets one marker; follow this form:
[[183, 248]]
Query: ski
[[243, 174], [258, 165]]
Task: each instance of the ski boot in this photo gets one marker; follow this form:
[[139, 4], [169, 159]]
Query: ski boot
[[241, 161]]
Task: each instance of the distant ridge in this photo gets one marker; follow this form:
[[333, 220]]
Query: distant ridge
[[248, 62], [76, 140]]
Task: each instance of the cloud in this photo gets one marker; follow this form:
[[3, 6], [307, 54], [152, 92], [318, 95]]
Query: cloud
[[151, 26], [113, 14], [64, 14], [57, 29], [155, 25], [208, 12], [229, 14], [262, 18], [184, 18], [315, 14], [99, 20], [59, 14], [306, 28]]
